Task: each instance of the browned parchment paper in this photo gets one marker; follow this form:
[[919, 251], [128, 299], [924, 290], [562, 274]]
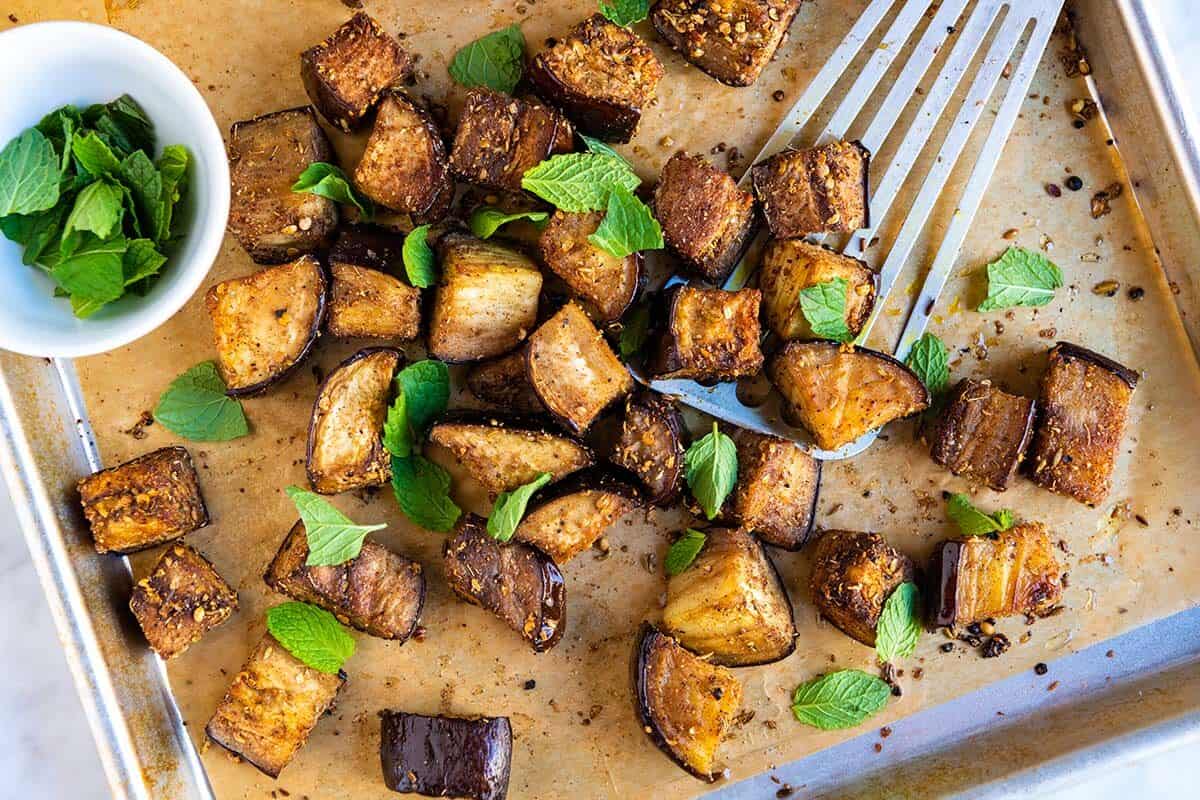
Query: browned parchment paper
[[576, 734]]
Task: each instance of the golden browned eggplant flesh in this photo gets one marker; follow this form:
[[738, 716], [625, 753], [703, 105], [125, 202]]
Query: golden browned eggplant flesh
[[820, 190], [565, 519], [181, 599], [710, 335], [982, 433], [853, 573], [651, 446], [446, 756], [791, 265], [776, 491]]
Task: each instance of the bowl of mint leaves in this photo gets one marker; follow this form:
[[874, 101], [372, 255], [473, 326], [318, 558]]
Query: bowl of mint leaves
[[114, 190]]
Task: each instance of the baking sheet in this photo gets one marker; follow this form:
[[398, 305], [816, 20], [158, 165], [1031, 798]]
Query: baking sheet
[[576, 732]]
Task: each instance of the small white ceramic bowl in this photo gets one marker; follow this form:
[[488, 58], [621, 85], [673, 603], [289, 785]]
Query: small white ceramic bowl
[[51, 64]]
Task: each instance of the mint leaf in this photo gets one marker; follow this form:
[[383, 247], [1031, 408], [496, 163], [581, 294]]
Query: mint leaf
[[333, 538], [510, 508], [312, 635], [625, 12], [29, 172], [635, 330], [824, 306], [486, 220], [172, 166], [122, 124], [899, 625], [397, 433], [579, 181], [1021, 277], [928, 358], [683, 551], [840, 699], [98, 209], [94, 155], [973, 522], [145, 183], [196, 407], [418, 258], [93, 274], [35, 232], [711, 470], [600, 148], [328, 180], [59, 127], [628, 226], [141, 260], [422, 490], [495, 61], [423, 392]]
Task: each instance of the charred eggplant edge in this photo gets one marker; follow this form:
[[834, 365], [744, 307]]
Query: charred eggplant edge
[[1076, 352]]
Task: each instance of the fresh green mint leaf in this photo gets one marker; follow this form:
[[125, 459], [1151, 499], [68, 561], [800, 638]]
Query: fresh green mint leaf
[[628, 226], [312, 635], [29, 174], [635, 330], [397, 432], [328, 180], [510, 508], [600, 148], [1021, 277], [973, 522], [625, 12], [840, 699], [35, 232], [711, 469], [824, 306], [486, 220], [98, 209], [899, 624], [423, 392], [419, 264], [495, 61], [141, 261], [172, 166], [683, 551], [333, 538], [196, 407], [422, 490], [579, 181], [122, 124], [94, 155], [93, 274], [145, 184], [929, 359], [59, 127]]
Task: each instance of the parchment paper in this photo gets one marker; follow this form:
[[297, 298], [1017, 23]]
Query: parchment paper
[[1131, 561]]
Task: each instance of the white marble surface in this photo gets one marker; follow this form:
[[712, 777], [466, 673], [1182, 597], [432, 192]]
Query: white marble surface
[[46, 748]]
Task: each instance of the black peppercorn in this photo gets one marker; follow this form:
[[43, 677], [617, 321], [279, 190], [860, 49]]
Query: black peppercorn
[[1074, 183], [1078, 124], [530, 684], [948, 647], [1137, 293], [1040, 668], [996, 645]]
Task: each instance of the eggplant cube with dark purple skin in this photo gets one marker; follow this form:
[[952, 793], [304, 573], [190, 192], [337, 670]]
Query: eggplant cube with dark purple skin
[[446, 756], [1082, 410], [601, 75], [502, 382], [820, 190], [982, 433], [710, 335], [266, 157], [147, 501], [272, 706], [181, 599], [732, 40], [345, 74], [500, 138], [791, 265], [404, 166], [853, 574], [565, 519], [365, 298], [605, 284], [776, 491], [651, 445]]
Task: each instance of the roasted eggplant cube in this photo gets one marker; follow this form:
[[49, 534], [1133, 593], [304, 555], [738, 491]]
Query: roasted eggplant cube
[[791, 265], [486, 303], [839, 393], [266, 156], [272, 706], [500, 138], [982, 433], [503, 453], [730, 605], [345, 74], [502, 382], [345, 435], [404, 166], [605, 284], [446, 756], [651, 446], [707, 221], [572, 369], [147, 501], [732, 41], [821, 190], [518, 583], [980, 577], [266, 323], [686, 704], [776, 491], [565, 519], [710, 335], [601, 75], [853, 574], [181, 599], [378, 591], [365, 299], [1082, 410]]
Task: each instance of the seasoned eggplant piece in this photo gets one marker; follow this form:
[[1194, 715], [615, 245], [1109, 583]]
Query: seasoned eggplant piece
[[730, 606], [710, 335], [790, 265], [998, 575], [500, 138], [838, 393], [446, 756], [572, 369], [732, 41], [503, 453], [707, 221], [266, 156], [345, 436], [853, 575], [518, 583], [345, 74], [486, 302], [1082, 409], [776, 491], [601, 75], [686, 705], [607, 285], [365, 300], [821, 190], [378, 591], [651, 446], [982, 433], [404, 167], [181, 599], [565, 519], [147, 501], [502, 382], [266, 323], [272, 706]]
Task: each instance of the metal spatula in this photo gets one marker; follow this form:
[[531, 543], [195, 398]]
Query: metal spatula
[[1000, 25]]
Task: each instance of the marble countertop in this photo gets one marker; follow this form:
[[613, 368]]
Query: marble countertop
[[48, 750]]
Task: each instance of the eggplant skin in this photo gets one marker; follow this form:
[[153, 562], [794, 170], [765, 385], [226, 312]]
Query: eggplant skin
[[820, 190], [500, 138], [404, 166], [710, 335], [518, 583], [982, 433], [853, 574], [685, 704], [266, 323], [777, 488], [564, 519], [731, 606], [345, 434], [502, 382], [651, 446], [446, 756], [144, 502], [606, 285], [181, 599], [792, 265]]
